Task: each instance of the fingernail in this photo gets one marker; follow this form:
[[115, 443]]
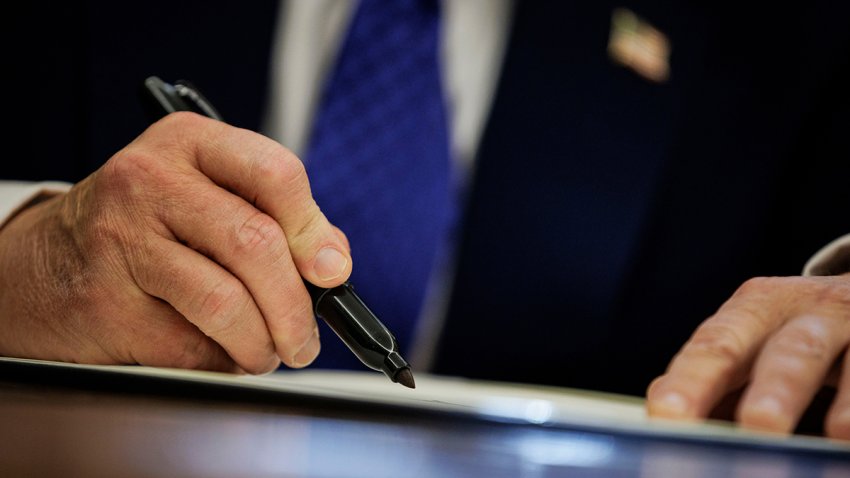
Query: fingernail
[[671, 404], [329, 264], [308, 352]]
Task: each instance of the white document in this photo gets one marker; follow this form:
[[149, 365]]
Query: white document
[[491, 400]]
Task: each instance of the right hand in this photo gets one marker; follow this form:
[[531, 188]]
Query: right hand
[[186, 249]]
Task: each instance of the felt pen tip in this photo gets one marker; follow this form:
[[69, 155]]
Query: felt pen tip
[[405, 377]]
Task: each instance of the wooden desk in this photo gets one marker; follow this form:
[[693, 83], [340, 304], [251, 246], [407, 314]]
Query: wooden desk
[[56, 424]]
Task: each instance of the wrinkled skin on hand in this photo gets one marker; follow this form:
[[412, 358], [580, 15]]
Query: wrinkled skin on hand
[[775, 343], [186, 249]]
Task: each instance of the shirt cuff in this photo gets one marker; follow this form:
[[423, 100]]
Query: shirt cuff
[[833, 259], [16, 195]]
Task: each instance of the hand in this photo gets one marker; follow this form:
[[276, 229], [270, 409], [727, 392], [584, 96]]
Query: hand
[[776, 340], [186, 249]]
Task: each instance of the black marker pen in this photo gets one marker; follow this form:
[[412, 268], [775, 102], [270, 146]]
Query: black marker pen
[[340, 307]]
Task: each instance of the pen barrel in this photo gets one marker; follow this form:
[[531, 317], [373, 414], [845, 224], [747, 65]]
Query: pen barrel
[[358, 328]]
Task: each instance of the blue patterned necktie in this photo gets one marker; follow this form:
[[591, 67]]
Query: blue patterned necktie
[[379, 161]]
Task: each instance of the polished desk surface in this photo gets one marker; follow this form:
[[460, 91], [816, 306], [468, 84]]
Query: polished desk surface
[[59, 424]]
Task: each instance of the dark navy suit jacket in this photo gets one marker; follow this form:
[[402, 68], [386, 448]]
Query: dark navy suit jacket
[[608, 215]]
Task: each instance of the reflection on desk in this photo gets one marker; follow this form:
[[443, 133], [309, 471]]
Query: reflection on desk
[[64, 422]]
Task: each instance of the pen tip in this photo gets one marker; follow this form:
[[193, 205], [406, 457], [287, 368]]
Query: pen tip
[[405, 377]]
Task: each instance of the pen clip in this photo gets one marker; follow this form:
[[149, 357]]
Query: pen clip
[[189, 93], [160, 98]]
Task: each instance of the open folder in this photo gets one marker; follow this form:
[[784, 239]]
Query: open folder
[[507, 402]]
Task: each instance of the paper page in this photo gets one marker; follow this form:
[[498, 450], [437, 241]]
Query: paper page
[[492, 400]]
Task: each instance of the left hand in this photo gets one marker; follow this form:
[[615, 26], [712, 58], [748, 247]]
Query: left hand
[[779, 340]]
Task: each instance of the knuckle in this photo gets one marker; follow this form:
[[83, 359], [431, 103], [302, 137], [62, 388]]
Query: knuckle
[[177, 135], [218, 307], [803, 342], [281, 167], [180, 120], [128, 169], [259, 233], [833, 292], [718, 341], [134, 181], [311, 230], [757, 285]]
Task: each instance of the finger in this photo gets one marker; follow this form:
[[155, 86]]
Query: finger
[[210, 298], [712, 364], [252, 246], [274, 180], [716, 360], [169, 340], [838, 418], [789, 371]]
